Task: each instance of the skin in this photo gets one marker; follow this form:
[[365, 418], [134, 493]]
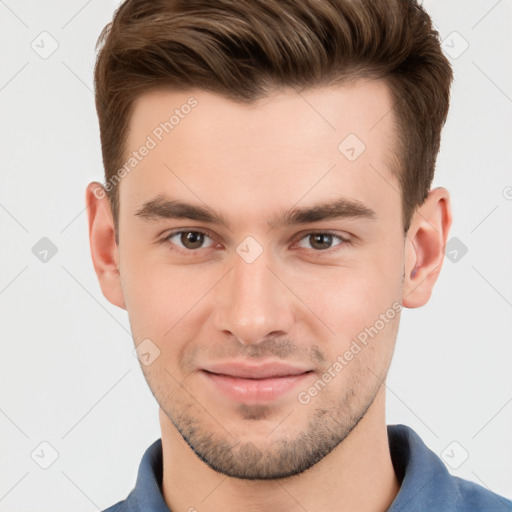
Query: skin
[[299, 301]]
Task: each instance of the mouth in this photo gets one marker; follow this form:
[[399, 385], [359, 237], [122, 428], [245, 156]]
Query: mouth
[[254, 383]]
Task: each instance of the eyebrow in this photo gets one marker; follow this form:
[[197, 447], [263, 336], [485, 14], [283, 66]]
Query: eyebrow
[[161, 207]]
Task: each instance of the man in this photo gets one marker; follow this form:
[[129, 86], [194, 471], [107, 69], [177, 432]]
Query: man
[[266, 215]]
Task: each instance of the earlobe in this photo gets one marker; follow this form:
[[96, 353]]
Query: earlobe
[[425, 246], [104, 250]]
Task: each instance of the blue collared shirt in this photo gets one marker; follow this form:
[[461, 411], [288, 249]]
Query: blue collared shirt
[[425, 483]]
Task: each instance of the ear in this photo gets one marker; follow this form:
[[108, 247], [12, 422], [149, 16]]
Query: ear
[[425, 246], [104, 249]]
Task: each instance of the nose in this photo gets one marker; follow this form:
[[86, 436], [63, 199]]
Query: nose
[[252, 303]]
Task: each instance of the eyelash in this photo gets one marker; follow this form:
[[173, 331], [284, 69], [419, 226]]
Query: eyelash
[[343, 241]]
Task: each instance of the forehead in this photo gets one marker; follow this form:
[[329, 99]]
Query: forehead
[[302, 143]]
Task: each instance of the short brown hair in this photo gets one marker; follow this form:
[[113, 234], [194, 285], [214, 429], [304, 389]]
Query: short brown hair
[[242, 49]]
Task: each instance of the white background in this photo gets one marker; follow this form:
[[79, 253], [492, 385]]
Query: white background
[[68, 375]]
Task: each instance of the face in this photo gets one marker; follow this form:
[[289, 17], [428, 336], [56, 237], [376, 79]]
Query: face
[[261, 259]]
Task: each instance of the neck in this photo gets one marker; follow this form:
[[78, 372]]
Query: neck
[[357, 475]]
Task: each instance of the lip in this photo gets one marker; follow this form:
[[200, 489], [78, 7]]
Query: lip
[[255, 371], [251, 383]]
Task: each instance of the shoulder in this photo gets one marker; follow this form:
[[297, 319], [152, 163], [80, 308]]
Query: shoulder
[[426, 483], [121, 506], [473, 496]]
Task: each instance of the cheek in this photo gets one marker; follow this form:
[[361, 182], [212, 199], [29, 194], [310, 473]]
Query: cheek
[[146, 302], [151, 296], [165, 302], [350, 298]]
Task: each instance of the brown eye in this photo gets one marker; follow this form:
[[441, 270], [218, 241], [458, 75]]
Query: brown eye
[[189, 240], [321, 241], [192, 239]]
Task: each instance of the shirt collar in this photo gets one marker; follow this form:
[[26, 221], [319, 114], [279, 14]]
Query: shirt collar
[[425, 483], [147, 495]]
